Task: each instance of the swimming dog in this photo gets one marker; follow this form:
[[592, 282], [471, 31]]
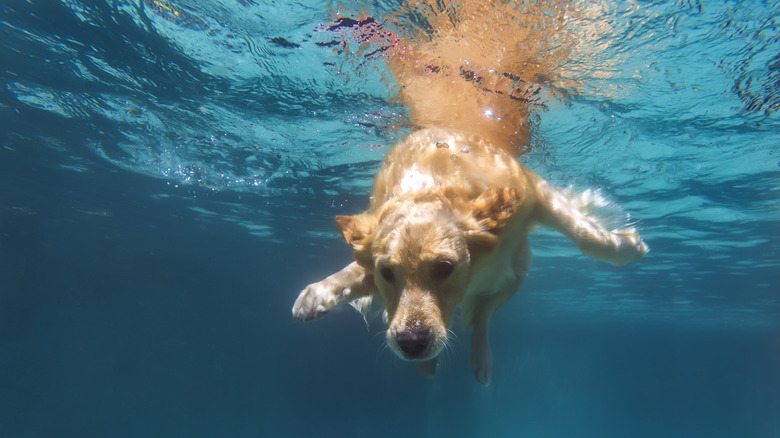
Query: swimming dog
[[451, 206]]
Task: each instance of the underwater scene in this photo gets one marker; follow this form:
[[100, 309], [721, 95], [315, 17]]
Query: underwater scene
[[170, 172]]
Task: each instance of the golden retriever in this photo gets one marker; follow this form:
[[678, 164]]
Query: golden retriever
[[452, 206]]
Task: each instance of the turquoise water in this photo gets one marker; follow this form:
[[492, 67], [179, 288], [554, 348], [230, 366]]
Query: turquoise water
[[168, 176]]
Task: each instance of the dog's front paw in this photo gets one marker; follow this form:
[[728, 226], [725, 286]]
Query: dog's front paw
[[631, 248], [317, 300]]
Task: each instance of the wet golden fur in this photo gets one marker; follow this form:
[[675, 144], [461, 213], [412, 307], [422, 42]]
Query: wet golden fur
[[452, 206]]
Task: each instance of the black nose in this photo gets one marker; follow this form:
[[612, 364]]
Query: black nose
[[413, 342]]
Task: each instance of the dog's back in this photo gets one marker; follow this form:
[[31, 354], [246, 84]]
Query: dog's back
[[456, 165]]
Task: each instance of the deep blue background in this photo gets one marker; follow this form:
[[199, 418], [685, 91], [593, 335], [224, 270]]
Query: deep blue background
[[157, 221], [149, 321]]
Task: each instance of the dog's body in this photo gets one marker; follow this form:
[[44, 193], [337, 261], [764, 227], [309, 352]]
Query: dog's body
[[452, 206], [447, 227]]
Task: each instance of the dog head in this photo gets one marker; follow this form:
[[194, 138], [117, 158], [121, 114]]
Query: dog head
[[420, 251]]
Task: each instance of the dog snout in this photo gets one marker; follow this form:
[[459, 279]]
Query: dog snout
[[414, 343]]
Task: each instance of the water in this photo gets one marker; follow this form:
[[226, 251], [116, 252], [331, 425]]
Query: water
[[168, 176]]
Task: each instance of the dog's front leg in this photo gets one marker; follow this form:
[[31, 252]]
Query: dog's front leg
[[481, 359], [319, 298], [479, 309], [480, 315], [556, 211]]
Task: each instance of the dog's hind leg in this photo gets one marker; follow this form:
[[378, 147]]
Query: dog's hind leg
[[319, 298], [555, 210]]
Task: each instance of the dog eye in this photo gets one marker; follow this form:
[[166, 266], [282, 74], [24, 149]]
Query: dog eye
[[442, 269], [387, 274]]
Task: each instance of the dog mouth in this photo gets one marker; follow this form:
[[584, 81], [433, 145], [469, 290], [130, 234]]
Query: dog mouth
[[418, 344]]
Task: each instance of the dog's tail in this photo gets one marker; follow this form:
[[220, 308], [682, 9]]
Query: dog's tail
[[476, 65], [479, 65]]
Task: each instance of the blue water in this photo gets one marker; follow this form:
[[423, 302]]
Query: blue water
[[168, 176]]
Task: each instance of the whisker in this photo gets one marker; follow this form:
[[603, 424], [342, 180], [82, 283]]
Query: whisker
[[447, 345], [381, 332], [385, 346], [446, 350], [451, 335]]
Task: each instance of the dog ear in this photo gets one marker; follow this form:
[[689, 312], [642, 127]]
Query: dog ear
[[356, 229], [493, 208]]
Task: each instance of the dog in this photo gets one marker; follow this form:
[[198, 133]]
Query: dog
[[451, 208]]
